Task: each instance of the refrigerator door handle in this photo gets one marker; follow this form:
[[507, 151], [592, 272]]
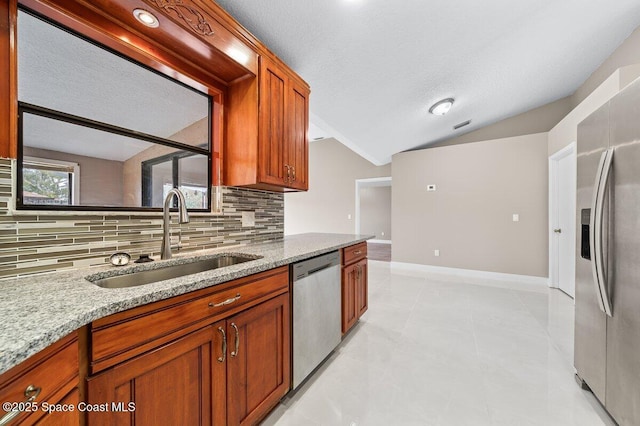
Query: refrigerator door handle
[[596, 225]]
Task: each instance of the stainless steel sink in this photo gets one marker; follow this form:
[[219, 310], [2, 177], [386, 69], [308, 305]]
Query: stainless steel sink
[[167, 272]]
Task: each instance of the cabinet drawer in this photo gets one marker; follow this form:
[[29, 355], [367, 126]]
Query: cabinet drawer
[[120, 336], [54, 371], [354, 253]]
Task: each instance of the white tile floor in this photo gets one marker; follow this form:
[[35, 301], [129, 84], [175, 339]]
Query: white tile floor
[[442, 351]]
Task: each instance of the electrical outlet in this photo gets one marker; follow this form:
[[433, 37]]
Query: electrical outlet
[[349, 216], [436, 252], [516, 217], [382, 233]]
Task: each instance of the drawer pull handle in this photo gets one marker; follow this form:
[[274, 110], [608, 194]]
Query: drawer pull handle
[[235, 327], [31, 393], [224, 345], [226, 302], [357, 252]]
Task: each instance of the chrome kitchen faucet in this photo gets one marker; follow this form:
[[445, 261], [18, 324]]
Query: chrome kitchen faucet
[[183, 217]]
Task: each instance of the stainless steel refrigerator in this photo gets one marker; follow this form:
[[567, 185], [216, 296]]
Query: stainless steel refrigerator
[[607, 322]]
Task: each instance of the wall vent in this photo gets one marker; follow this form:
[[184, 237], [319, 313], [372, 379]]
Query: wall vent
[[464, 123]]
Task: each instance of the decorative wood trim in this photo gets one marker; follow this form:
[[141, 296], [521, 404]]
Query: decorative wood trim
[[202, 27], [8, 109]]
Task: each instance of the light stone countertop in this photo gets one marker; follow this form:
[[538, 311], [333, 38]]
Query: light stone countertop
[[38, 310]]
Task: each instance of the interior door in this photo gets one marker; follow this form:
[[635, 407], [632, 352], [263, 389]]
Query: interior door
[[565, 232]]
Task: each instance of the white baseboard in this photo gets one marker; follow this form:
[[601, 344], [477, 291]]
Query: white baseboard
[[379, 241], [510, 280]]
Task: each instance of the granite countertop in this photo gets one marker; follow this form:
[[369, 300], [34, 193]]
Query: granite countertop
[[38, 310]]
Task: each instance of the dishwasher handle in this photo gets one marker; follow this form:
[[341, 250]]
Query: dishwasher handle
[[317, 264]]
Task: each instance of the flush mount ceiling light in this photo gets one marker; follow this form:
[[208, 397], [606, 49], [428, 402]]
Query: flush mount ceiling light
[[441, 107], [146, 18]]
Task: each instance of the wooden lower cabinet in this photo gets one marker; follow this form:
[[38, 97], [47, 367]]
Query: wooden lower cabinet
[[170, 385], [349, 284], [355, 288], [231, 372], [64, 418], [258, 372], [362, 288], [49, 377]]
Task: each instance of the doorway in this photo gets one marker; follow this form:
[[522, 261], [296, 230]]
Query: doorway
[[373, 215], [562, 219]]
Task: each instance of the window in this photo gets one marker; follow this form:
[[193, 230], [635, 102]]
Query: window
[[49, 182], [161, 174], [135, 133]]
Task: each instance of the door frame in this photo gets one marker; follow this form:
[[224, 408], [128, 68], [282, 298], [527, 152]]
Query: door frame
[[367, 183], [554, 161]]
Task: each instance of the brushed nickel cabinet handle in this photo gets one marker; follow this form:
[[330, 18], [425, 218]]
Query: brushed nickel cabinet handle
[[226, 302], [224, 345], [235, 327], [294, 173], [288, 178], [31, 393], [558, 231], [357, 252]]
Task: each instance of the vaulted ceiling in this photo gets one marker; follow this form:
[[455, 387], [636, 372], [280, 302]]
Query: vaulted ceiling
[[375, 67]]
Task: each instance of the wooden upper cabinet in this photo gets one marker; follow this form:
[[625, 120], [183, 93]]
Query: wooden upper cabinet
[[297, 153], [267, 122], [272, 128]]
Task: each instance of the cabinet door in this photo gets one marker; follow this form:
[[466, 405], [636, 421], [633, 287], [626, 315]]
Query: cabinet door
[[169, 385], [272, 130], [297, 124], [349, 313], [64, 418], [259, 362], [362, 290]]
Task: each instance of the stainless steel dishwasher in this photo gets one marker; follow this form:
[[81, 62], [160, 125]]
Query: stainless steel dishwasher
[[316, 312]]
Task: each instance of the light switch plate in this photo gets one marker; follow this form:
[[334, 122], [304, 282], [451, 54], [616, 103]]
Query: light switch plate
[[516, 217], [248, 219], [431, 187]]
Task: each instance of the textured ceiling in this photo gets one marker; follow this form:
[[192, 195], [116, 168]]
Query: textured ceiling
[[375, 67]]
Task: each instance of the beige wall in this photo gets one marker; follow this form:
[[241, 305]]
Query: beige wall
[[616, 72], [469, 217], [628, 53], [100, 180], [537, 120], [375, 211], [333, 170], [133, 165], [565, 131]]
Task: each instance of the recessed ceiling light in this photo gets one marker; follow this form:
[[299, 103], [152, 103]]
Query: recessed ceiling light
[[441, 107], [146, 18]]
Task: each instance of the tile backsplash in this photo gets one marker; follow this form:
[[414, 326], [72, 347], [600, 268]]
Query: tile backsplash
[[33, 242]]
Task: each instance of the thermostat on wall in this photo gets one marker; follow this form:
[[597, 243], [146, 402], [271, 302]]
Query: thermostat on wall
[[431, 188]]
